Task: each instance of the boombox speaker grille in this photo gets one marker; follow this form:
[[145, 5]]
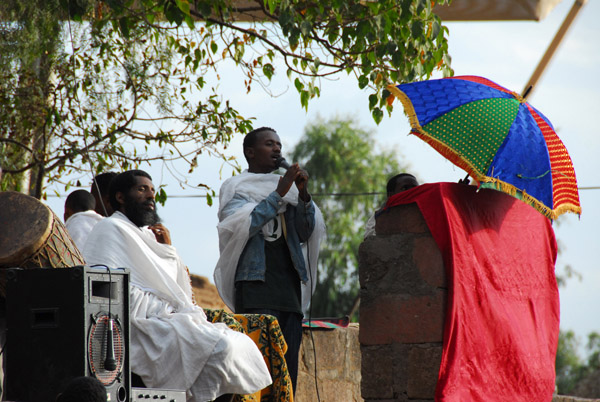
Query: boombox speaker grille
[[97, 348]]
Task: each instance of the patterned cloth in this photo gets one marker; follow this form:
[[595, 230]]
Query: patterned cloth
[[497, 137], [264, 330], [326, 323]]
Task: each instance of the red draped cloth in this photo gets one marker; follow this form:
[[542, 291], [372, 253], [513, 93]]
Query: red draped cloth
[[502, 323]]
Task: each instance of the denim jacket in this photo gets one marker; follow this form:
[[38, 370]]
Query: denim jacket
[[299, 220]]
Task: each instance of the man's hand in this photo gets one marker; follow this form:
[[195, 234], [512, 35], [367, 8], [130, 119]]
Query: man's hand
[[161, 233], [302, 184], [294, 175]]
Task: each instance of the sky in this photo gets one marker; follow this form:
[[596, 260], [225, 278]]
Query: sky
[[568, 94]]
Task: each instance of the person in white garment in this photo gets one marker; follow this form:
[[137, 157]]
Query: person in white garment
[[173, 346], [80, 217], [268, 225]]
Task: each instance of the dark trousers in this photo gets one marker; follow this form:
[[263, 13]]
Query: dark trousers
[[291, 327]]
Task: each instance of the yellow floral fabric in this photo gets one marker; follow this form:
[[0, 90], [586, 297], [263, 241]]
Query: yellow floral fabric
[[264, 330]]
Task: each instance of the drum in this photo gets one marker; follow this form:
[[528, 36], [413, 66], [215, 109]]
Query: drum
[[32, 236]]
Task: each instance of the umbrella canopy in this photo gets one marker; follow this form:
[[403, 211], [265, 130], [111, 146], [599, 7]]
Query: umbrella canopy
[[496, 136]]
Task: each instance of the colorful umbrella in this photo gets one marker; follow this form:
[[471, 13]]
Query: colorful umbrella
[[496, 136]]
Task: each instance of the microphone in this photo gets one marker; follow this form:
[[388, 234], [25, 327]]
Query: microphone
[[282, 163], [110, 364]]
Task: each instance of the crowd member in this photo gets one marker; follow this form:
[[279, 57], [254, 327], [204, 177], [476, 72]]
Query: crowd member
[[80, 217], [99, 189], [264, 220], [83, 389], [397, 184], [173, 346]]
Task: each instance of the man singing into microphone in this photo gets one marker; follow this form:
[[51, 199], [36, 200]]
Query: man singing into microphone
[[265, 221]]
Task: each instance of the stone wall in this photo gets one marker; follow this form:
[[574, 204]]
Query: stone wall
[[562, 398], [403, 303], [338, 366]]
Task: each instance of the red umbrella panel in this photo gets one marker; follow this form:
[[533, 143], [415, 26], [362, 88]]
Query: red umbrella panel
[[496, 136]]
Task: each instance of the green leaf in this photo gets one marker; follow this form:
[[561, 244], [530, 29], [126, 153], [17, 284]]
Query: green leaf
[[304, 96], [372, 101], [161, 196], [305, 27], [214, 47], [435, 29], [124, 26], [363, 81], [377, 115], [190, 22], [184, 6], [268, 70], [416, 29]]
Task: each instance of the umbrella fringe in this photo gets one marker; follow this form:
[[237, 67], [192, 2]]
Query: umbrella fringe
[[552, 214], [454, 157], [490, 182], [409, 109]]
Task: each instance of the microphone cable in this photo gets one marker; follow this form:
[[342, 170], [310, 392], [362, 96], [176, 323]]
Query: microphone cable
[[110, 364], [282, 163], [312, 338]]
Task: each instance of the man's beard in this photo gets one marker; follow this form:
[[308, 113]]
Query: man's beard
[[139, 213]]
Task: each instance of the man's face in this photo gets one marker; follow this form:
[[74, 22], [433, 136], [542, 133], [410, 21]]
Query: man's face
[[405, 183], [138, 203], [262, 157]]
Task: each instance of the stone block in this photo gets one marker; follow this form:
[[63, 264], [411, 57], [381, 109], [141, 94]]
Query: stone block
[[399, 273], [403, 319], [401, 373], [428, 259], [338, 361], [401, 219], [378, 374], [377, 256], [423, 365]]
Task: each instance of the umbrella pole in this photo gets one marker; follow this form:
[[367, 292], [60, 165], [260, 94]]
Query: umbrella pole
[[465, 180], [554, 44]]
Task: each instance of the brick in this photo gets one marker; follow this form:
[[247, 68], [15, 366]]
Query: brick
[[378, 374], [429, 262], [401, 219], [404, 319], [423, 366]]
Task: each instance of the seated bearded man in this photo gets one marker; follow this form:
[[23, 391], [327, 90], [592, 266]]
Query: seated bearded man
[[173, 346]]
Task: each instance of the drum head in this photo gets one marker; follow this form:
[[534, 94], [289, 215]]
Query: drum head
[[26, 224]]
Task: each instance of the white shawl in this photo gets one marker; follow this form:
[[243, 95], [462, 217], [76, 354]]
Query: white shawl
[[172, 343], [80, 224], [117, 242], [234, 231]]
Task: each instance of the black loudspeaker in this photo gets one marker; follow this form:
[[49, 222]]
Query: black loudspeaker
[[58, 329]]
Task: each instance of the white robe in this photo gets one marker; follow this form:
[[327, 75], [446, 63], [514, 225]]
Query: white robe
[[80, 224], [234, 231], [173, 346]]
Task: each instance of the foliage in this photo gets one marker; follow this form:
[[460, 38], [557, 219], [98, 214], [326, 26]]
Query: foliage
[[570, 368], [119, 82], [340, 159]]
